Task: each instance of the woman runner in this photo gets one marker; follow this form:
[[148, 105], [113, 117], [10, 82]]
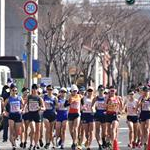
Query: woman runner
[[88, 116], [62, 116], [14, 105], [100, 116], [74, 104], [132, 119]]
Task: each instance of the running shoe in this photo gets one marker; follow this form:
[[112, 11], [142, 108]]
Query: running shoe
[[24, 144], [47, 145], [14, 148], [73, 146], [30, 147], [21, 145], [41, 143], [62, 146], [100, 147]]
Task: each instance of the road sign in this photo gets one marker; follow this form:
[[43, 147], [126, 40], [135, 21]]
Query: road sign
[[30, 24], [46, 80], [30, 7]]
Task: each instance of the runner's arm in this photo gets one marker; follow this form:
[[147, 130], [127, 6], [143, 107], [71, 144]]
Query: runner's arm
[[42, 106]]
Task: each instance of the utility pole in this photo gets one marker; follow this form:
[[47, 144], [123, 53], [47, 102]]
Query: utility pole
[[29, 60]]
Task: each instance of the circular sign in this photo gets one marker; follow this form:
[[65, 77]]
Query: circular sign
[[30, 24], [30, 7]]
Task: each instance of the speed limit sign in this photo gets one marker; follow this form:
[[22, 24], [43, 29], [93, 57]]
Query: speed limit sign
[[30, 7]]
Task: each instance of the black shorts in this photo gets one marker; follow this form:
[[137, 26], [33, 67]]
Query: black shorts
[[16, 117], [100, 118], [50, 116], [111, 117], [25, 116], [87, 117], [34, 116], [133, 119], [144, 115], [73, 116]]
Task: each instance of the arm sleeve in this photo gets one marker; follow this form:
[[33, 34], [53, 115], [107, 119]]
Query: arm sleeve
[[66, 103]]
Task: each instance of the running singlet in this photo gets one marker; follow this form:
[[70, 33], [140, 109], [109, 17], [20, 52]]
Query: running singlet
[[61, 103], [75, 104], [100, 105], [33, 103], [87, 105], [146, 105], [49, 103], [15, 104], [112, 105], [131, 108]]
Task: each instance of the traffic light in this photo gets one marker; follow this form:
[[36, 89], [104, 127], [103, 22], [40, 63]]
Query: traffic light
[[130, 2]]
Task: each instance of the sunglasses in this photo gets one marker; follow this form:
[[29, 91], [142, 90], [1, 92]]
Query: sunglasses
[[14, 90], [63, 91], [90, 90], [50, 89], [112, 91], [75, 91]]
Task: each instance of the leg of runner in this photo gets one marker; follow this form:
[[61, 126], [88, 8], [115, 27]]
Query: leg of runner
[[97, 132], [135, 126], [41, 134], [22, 134], [104, 134], [86, 132], [37, 134], [47, 132], [75, 130], [147, 130], [131, 134], [71, 128], [63, 133], [115, 125], [90, 131], [31, 134], [26, 124], [143, 140], [108, 126], [51, 125], [12, 133], [58, 132]]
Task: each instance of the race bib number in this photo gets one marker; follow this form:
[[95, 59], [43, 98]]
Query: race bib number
[[61, 106], [113, 107], [87, 107], [15, 107], [75, 105], [100, 106], [48, 105], [33, 106]]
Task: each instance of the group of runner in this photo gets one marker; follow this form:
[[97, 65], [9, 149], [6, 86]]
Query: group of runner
[[86, 111]]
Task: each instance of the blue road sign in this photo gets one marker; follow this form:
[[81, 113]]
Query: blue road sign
[[30, 24]]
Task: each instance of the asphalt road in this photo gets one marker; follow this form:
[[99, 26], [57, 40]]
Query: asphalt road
[[123, 139]]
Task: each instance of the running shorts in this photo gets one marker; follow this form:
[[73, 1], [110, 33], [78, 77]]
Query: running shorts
[[16, 117], [34, 116], [111, 117], [50, 116], [100, 118], [87, 117], [144, 115], [133, 119], [73, 116]]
